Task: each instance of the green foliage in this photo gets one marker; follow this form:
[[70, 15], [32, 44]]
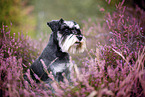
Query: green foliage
[[10, 13], [17, 13]]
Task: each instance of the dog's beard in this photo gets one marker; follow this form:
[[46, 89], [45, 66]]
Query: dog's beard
[[71, 44]]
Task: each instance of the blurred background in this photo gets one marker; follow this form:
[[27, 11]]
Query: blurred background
[[31, 16]]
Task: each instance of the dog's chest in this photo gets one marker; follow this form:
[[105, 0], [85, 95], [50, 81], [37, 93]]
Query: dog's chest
[[60, 67]]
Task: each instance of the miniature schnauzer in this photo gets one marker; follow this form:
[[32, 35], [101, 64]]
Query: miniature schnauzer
[[65, 38]]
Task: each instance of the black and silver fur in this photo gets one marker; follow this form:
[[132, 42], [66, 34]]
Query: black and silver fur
[[66, 38]]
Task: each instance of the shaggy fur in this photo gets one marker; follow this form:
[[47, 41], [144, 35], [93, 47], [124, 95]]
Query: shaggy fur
[[65, 38]]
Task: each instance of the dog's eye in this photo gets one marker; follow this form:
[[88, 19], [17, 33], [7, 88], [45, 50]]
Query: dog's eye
[[66, 30], [74, 32]]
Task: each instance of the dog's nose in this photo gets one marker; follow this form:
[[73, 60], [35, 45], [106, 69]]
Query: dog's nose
[[80, 37]]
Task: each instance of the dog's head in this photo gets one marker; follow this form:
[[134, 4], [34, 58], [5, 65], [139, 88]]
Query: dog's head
[[68, 35]]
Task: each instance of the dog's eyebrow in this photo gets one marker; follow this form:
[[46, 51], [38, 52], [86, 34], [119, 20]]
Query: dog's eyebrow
[[77, 26], [64, 27], [78, 30]]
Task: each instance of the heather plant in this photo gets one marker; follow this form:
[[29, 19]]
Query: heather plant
[[15, 58], [114, 67], [18, 47], [127, 33], [94, 80]]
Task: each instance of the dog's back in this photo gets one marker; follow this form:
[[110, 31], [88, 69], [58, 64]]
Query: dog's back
[[56, 61], [66, 37]]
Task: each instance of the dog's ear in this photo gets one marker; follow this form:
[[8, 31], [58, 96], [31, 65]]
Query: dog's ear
[[61, 21], [55, 24]]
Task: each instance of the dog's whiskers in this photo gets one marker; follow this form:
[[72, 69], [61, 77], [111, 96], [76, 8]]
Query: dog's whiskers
[[71, 36]]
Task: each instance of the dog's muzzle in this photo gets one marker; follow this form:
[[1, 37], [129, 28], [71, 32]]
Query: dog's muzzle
[[80, 37], [73, 44]]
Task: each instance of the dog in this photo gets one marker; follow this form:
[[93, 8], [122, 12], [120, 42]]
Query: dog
[[65, 38]]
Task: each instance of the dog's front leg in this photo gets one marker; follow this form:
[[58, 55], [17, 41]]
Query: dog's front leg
[[59, 77], [67, 75]]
